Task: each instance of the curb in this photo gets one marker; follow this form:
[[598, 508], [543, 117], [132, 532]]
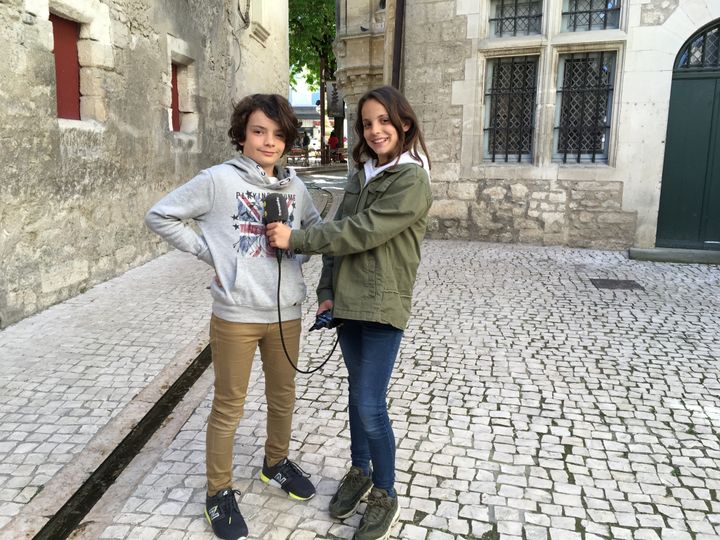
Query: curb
[[321, 168], [37, 513], [687, 256], [327, 198]]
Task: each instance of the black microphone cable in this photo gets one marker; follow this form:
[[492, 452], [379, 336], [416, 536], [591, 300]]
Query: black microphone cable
[[282, 338], [276, 211]]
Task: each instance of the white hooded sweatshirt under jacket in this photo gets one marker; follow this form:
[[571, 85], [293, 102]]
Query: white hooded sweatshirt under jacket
[[227, 202]]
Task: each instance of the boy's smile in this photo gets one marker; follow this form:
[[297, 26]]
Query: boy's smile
[[264, 141]]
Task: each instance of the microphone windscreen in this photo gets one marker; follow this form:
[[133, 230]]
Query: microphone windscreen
[[275, 208]]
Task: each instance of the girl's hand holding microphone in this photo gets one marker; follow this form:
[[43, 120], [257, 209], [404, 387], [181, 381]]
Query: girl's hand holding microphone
[[278, 235]]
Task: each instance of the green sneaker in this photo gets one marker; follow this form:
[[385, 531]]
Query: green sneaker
[[353, 488], [380, 515]]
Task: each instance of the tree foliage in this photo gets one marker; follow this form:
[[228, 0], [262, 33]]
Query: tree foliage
[[312, 32]]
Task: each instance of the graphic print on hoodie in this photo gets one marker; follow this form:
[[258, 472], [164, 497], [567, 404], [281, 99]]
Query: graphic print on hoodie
[[226, 202], [248, 222]]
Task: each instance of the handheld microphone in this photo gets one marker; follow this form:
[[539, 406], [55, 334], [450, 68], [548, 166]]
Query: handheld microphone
[[275, 210]]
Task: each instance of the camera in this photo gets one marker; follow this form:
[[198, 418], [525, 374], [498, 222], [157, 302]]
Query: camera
[[324, 320]]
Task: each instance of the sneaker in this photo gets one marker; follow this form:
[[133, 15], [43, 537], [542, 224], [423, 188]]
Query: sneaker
[[289, 477], [222, 512], [353, 488], [380, 515]]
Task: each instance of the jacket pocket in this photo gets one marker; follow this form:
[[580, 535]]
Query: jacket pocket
[[378, 187], [350, 197]]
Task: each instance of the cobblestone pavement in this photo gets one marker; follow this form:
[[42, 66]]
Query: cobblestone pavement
[[71, 370], [76, 378], [527, 404]]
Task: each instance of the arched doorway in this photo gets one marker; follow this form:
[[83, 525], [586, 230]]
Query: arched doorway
[[689, 214]]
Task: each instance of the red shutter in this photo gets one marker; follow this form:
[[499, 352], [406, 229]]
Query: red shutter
[[175, 101], [67, 67]]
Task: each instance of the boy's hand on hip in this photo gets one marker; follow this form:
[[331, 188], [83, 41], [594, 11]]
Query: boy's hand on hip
[[278, 235]]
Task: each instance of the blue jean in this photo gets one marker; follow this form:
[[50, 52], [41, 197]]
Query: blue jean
[[369, 350]]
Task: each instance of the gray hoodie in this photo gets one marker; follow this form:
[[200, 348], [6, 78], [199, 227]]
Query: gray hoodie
[[227, 203]]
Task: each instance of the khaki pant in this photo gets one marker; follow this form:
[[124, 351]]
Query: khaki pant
[[233, 346]]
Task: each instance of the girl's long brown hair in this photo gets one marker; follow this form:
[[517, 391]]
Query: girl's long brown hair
[[400, 114]]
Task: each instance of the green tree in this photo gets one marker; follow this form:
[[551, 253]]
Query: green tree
[[312, 32]]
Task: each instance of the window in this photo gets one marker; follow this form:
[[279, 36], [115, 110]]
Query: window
[[703, 51], [180, 99], [174, 99], [67, 66], [581, 15], [585, 89], [516, 17], [182, 111], [510, 90], [82, 46]]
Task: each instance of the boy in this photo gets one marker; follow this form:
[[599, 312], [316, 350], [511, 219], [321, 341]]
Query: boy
[[227, 202]]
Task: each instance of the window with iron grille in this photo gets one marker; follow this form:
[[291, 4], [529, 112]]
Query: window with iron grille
[[580, 15], [584, 102], [516, 17], [510, 90], [702, 52]]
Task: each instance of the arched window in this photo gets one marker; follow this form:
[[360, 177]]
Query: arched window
[[702, 51]]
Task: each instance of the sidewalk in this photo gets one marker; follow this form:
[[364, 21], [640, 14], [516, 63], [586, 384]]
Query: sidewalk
[[527, 403], [78, 376]]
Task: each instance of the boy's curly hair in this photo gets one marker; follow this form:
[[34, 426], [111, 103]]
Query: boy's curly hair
[[275, 107]]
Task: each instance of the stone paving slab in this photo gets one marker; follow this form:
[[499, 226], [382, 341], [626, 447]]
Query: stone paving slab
[[77, 377], [528, 404]]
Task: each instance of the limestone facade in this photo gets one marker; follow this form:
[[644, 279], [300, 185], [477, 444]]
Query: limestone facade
[[449, 48], [74, 192]]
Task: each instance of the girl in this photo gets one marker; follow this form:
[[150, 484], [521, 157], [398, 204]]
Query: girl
[[372, 251]]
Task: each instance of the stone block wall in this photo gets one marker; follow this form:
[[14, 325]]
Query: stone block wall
[[579, 214], [434, 53], [610, 205], [611, 202], [74, 192]]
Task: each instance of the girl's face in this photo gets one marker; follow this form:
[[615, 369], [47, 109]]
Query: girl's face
[[379, 133], [264, 141]]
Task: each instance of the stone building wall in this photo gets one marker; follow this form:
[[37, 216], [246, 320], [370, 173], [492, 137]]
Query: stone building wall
[[447, 49], [605, 205], [74, 192]]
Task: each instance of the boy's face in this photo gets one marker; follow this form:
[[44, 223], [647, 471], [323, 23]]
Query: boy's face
[[264, 141]]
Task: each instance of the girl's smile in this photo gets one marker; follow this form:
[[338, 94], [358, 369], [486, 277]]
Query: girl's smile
[[379, 132]]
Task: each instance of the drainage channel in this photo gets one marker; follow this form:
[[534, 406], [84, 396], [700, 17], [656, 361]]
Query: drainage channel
[[76, 508]]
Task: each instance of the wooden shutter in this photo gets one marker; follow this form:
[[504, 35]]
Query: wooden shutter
[[175, 101], [67, 67]]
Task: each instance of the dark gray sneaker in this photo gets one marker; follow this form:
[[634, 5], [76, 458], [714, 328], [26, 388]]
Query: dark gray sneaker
[[223, 514], [380, 515], [289, 477], [353, 488]]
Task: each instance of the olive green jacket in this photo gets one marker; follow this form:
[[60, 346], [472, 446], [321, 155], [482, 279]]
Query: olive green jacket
[[372, 248]]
